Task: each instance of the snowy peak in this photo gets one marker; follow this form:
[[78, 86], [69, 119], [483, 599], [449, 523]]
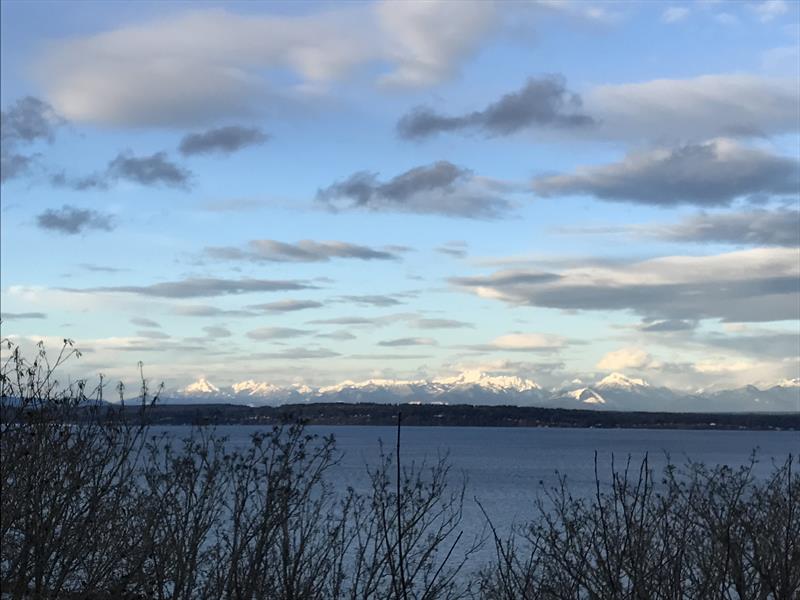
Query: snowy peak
[[788, 383], [491, 382], [620, 381], [586, 396], [201, 386], [255, 388]]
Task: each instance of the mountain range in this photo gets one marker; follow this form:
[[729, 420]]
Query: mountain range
[[613, 392]]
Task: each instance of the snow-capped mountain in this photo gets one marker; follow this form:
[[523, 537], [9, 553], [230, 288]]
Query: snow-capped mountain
[[612, 392]]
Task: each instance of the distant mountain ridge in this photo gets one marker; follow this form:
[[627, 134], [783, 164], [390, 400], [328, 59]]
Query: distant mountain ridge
[[613, 392]]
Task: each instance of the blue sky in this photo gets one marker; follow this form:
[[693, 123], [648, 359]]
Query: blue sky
[[313, 192]]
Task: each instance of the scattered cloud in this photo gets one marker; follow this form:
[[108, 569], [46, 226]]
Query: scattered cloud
[[408, 341], [284, 306], [542, 102], [25, 122], [456, 249], [441, 324], [143, 322], [71, 220], [695, 109], [674, 14], [770, 9], [625, 358], [528, 342], [151, 334], [276, 333], [203, 310], [6, 316], [710, 174], [199, 287], [779, 227], [217, 332], [340, 335], [101, 268], [373, 299], [298, 354], [304, 251], [155, 169], [760, 284], [222, 140], [653, 326], [439, 188]]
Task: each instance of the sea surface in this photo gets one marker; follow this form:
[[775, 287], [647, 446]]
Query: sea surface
[[505, 469]]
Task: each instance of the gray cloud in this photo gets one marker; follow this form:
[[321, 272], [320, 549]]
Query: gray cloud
[[26, 315], [203, 310], [217, 331], [155, 169], [439, 188], [344, 321], [302, 251], [441, 324], [26, 121], [101, 268], [337, 335], [372, 300], [456, 249], [142, 322], [760, 344], [223, 140], [298, 354], [710, 174], [542, 102], [752, 285], [199, 287], [283, 306], [276, 333], [757, 227], [71, 220], [409, 341], [153, 335]]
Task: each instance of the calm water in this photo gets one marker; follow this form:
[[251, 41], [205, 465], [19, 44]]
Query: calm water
[[505, 468]]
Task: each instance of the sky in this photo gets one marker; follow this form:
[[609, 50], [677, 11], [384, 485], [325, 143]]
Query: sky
[[314, 192]]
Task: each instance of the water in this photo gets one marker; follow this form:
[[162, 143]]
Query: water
[[506, 468]]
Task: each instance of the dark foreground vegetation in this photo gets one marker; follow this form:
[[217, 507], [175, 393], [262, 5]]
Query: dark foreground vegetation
[[456, 415], [107, 509]]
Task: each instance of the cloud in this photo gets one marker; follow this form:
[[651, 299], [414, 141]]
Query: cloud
[[668, 325], [760, 284], [209, 65], [102, 268], [298, 354], [695, 109], [71, 220], [155, 169], [779, 227], [408, 341], [142, 322], [710, 174], [625, 358], [203, 310], [217, 331], [25, 122], [337, 335], [528, 342], [18, 316], [543, 102], [674, 14], [760, 344], [770, 9], [456, 249], [284, 306], [223, 140], [372, 300], [304, 251], [199, 287], [153, 335], [276, 333], [441, 324], [439, 188]]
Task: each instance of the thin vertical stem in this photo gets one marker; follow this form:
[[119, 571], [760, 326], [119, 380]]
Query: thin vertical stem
[[400, 557]]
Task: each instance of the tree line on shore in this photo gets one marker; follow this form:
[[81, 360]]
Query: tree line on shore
[[109, 508]]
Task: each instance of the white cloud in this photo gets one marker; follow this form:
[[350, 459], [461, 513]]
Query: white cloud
[[770, 9], [626, 358], [674, 14], [528, 342]]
